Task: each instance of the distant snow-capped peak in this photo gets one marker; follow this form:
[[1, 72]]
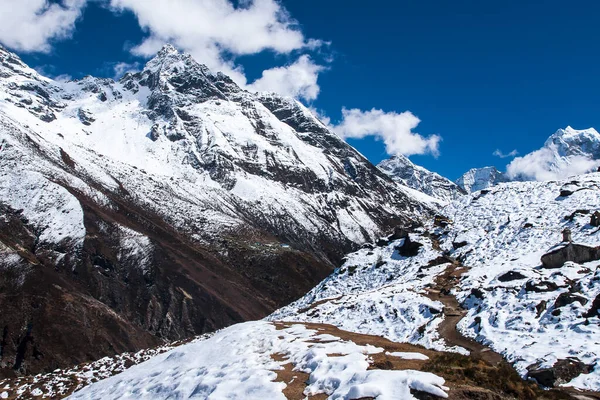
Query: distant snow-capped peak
[[405, 172], [480, 178], [567, 152]]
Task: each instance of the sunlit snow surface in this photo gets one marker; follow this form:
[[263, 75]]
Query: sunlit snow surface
[[378, 292], [237, 363], [507, 228], [205, 178]]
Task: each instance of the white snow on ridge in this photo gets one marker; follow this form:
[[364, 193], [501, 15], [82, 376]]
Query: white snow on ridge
[[378, 292], [509, 229], [202, 158], [237, 362], [406, 173], [520, 315]]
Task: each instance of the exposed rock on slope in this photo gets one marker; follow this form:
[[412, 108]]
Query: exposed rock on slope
[[510, 301], [165, 205], [405, 172]]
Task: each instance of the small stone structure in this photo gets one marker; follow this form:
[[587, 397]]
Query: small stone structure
[[567, 237], [577, 253]]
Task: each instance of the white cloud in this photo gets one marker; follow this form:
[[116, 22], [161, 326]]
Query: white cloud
[[122, 68], [30, 25], [545, 164], [297, 80], [63, 78], [499, 153], [396, 131], [215, 32]]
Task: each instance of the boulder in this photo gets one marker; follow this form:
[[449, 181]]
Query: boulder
[[562, 371], [399, 233], [577, 253], [511, 276], [540, 287], [458, 245], [595, 219], [569, 298], [594, 310], [409, 248], [565, 193]]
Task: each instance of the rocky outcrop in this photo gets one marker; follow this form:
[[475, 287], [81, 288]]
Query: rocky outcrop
[[573, 252], [561, 372], [595, 219]]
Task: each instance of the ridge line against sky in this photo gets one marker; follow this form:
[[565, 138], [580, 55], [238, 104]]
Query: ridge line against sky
[[266, 45]]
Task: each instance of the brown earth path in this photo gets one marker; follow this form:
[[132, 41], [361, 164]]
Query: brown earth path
[[453, 312]]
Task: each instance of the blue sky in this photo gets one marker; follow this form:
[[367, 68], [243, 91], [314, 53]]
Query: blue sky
[[483, 75]]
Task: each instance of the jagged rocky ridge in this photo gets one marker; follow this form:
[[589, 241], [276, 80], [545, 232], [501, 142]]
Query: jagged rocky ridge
[[165, 205], [405, 172]]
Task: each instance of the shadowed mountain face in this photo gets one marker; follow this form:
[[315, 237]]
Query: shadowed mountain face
[[165, 205]]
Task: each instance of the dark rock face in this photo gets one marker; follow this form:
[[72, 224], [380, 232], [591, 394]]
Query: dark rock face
[[571, 252], [99, 302], [561, 372], [594, 310], [540, 287], [566, 193], [595, 219], [458, 245], [511, 276], [569, 298], [409, 248]]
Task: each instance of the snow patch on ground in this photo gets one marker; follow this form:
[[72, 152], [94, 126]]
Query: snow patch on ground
[[238, 362]]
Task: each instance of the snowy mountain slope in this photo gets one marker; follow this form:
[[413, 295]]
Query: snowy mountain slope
[[242, 361], [535, 317], [405, 172], [481, 178], [167, 204], [379, 292], [505, 232]]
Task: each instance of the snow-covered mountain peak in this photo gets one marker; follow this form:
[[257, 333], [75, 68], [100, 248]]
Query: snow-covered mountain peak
[[573, 141], [13, 68], [480, 178], [567, 152], [261, 197], [405, 172]]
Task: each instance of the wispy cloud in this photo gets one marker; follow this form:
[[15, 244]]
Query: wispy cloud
[[122, 68], [499, 153]]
